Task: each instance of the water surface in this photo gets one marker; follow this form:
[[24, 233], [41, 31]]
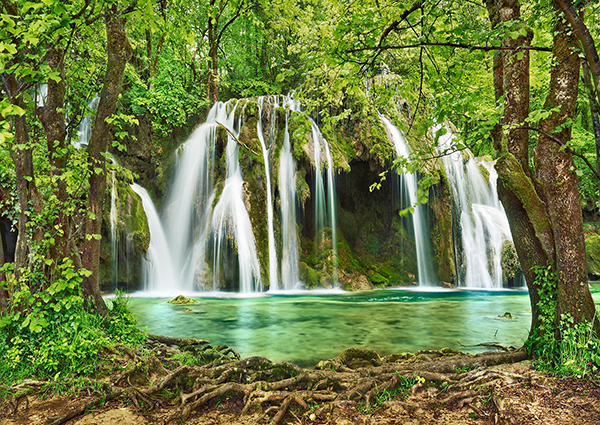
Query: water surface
[[308, 327]]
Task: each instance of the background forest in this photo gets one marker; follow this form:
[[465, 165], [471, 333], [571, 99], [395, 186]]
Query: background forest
[[156, 67]]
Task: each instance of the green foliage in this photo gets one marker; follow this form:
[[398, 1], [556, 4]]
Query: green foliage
[[400, 392], [542, 343], [576, 352], [51, 333]]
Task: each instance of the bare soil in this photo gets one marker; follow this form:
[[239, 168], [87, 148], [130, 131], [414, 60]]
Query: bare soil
[[357, 387]]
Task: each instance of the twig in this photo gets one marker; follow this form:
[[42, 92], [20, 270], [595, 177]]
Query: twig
[[236, 139]]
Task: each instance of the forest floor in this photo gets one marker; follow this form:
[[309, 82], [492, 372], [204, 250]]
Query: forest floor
[[154, 385]]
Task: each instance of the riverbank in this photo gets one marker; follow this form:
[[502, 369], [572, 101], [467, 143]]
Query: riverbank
[[189, 381]]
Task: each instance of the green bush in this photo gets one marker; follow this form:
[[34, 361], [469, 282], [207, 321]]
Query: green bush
[[51, 333], [577, 351]]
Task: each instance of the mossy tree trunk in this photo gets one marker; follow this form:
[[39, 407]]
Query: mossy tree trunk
[[119, 52], [542, 204], [554, 167]]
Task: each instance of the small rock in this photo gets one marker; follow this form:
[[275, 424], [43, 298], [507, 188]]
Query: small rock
[[180, 299]]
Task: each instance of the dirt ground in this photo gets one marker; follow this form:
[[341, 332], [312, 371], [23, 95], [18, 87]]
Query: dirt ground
[[531, 398]]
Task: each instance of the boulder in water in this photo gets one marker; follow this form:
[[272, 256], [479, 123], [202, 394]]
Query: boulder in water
[[180, 299]]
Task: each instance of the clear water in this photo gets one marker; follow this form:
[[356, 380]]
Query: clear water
[[305, 328]]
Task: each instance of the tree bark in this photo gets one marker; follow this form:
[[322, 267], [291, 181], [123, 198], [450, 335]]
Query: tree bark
[[119, 52], [554, 168], [213, 93], [543, 208], [525, 209], [594, 108], [21, 153], [585, 38], [52, 117]]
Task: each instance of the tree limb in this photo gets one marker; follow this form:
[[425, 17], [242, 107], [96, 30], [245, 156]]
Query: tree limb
[[236, 139]]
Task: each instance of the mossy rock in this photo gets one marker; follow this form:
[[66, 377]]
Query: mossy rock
[[592, 252], [180, 299], [509, 261], [357, 357], [378, 279]]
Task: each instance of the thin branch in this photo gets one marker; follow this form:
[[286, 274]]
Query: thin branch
[[236, 139], [457, 45]]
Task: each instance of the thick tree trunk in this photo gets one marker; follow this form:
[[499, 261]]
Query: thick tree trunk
[[543, 210], [52, 117], [21, 153], [555, 170], [584, 36], [594, 108], [119, 52], [529, 223]]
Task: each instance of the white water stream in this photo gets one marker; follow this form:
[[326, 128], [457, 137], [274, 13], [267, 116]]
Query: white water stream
[[483, 223], [418, 216], [273, 281]]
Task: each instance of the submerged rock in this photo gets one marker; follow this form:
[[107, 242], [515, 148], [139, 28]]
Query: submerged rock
[[180, 299]]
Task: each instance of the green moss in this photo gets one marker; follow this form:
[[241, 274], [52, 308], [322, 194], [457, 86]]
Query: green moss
[[592, 250], [378, 279], [509, 261], [180, 299], [308, 275]]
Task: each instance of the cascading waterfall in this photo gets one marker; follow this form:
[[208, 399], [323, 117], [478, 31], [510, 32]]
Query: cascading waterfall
[[418, 216], [84, 132], [320, 198], [287, 192], [483, 224], [332, 216], [266, 150], [230, 218], [199, 235], [159, 270], [113, 227]]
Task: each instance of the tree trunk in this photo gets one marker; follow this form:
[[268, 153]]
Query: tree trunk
[[213, 93], [543, 211], [584, 36], [21, 153], [554, 168], [52, 117], [529, 223], [119, 51], [594, 108]]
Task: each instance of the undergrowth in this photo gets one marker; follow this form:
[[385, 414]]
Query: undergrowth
[[49, 334], [577, 351], [401, 392]]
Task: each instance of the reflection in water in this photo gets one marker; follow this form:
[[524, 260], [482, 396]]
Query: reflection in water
[[304, 329]]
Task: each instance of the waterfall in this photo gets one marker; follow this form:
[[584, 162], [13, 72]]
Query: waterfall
[[287, 192], [113, 227], [159, 271], [332, 216], [84, 132], [481, 221], [320, 199], [208, 241], [418, 215], [266, 150], [230, 218]]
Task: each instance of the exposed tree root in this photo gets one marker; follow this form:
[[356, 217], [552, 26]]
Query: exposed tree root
[[280, 392]]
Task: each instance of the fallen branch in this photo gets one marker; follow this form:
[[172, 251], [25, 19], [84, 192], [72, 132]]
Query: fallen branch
[[236, 139]]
